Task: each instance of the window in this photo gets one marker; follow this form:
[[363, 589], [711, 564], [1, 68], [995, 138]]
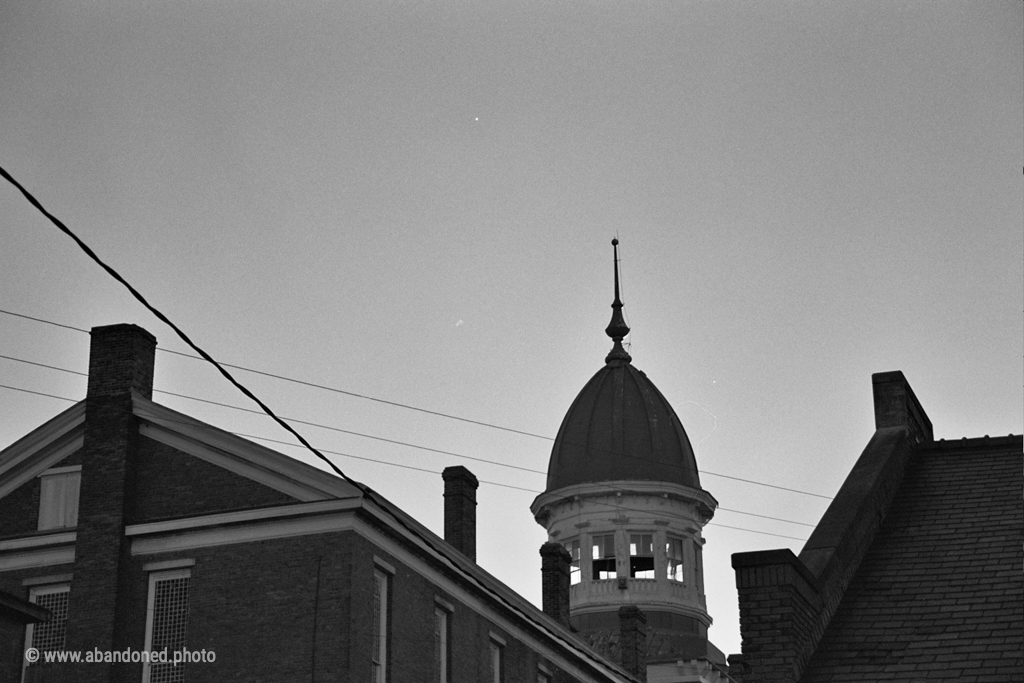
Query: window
[[574, 562], [698, 565], [497, 661], [166, 623], [543, 677], [380, 626], [49, 635], [603, 557], [442, 653], [58, 497], [674, 559], [641, 556]]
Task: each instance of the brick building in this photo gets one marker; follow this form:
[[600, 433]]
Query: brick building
[[913, 573], [127, 526]]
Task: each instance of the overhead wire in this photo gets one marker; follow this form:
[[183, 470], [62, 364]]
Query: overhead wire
[[265, 409], [413, 467], [368, 436], [364, 490], [164, 319], [317, 386], [393, 403]]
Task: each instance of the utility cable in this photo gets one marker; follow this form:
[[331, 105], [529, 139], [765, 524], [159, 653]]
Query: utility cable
[[482, 481], [366, 436], [364, 490], [316, 386], [163, 318], [341, 391]]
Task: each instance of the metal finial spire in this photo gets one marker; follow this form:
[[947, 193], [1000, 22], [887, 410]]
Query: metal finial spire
[[617, 328]]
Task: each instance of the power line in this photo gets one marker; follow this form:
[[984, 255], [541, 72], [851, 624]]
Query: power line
[[377, 461], [298, 421], [366, 492], [48, 322], [44, 365], [534, 491], [164, 319], [37, 393], [318, 386], [365, 436], [401, 405], [382, 462]]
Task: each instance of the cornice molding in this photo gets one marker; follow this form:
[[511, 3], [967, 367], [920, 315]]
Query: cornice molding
[[626, 487]]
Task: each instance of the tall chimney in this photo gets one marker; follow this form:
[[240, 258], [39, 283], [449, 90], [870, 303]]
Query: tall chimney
[[897, 406], [99, 608], [554, 567], [633, 641], [460, 509]]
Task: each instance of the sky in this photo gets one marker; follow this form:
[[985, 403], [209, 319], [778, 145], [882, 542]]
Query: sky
[[414, 202]]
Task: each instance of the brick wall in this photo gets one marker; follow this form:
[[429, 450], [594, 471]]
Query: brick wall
[[175, 484], [780, 607]]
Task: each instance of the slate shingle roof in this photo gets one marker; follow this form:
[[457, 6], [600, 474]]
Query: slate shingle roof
[[939, 596]]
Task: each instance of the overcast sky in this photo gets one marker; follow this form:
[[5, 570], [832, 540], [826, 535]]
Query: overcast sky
[[414, 202]]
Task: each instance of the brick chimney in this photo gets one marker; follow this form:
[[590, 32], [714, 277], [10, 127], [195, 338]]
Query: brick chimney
[[633, 641], [897, 406], [121, 360], [554, 569], [460, 509]]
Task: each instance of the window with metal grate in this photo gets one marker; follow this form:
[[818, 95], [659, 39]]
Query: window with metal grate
[[167, 624], [48, 636]]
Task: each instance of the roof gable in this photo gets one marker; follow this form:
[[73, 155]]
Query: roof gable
[[42, 448], [237, 455]]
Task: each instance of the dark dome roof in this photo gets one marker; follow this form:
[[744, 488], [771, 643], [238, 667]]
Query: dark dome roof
[[621, 427]]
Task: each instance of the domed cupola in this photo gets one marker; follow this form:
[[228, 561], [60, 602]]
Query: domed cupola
[[624, 497], [621, 427]]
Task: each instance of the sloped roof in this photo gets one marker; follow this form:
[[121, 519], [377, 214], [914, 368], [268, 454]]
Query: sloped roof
[[939, 593]]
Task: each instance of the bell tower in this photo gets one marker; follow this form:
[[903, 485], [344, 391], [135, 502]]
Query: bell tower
[[624, 498]]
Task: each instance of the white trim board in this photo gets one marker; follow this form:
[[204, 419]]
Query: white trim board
[[37, 557], [40, 540], [241, 516], [243, 533]]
